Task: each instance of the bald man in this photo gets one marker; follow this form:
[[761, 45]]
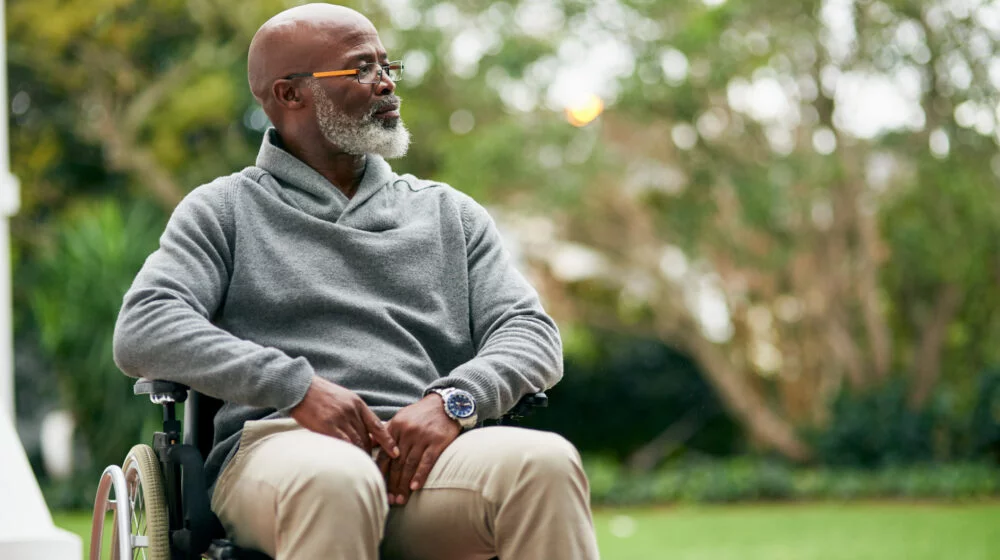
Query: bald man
[[357, 324]]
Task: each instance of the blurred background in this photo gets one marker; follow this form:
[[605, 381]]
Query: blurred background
[[769, 230]]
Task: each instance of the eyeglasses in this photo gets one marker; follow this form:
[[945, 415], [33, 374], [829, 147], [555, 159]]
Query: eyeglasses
[[367, 73]]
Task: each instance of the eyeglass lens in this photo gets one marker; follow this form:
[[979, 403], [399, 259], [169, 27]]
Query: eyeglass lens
[[372, 73]]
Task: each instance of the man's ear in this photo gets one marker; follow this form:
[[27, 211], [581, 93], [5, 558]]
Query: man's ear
[[287, 95]]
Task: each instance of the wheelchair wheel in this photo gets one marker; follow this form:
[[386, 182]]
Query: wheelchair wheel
[[141, 526], [148, 504]]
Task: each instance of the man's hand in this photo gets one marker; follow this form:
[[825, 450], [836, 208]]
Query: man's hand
[[337, 412], [423, 431]]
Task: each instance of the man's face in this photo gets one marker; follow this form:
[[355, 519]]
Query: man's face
[[359, 118], [368, 133]]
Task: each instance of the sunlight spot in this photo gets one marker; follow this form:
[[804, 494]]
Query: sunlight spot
[[584, 111], [622, 526]]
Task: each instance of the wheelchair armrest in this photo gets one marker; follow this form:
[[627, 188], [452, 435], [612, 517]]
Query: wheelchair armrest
[[524, 406], [161, 391], [536, 400]]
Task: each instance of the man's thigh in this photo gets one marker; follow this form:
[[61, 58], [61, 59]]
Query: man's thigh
[[281, 469], [457, 515]]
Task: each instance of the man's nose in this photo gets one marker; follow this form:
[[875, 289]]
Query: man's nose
[[385, 84]]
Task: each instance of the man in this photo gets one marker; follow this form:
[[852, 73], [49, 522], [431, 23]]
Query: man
[[344, 312]]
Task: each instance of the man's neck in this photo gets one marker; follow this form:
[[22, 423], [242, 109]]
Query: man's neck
[[343, 170]]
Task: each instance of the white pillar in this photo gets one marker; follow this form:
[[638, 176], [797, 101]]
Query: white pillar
[[26, 529], [9, 202]]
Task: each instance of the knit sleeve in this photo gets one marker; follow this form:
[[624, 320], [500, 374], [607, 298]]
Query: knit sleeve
[[165, 330], [518, 348]]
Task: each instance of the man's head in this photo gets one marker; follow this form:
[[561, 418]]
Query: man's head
[[352, 117]]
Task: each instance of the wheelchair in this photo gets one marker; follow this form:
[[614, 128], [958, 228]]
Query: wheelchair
[[160, 504]]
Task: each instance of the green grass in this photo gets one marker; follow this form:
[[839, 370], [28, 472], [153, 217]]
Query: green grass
[[803, 532], [79, 523], [877, 531]]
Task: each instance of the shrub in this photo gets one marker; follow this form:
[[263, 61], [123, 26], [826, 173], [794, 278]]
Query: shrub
[[620, 391], [752, 479], [876, 428], [75, 297]]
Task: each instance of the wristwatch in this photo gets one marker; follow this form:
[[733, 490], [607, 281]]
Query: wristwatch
[[460, 406]]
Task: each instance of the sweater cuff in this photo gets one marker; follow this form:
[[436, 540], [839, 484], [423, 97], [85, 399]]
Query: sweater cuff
[[288, 386]]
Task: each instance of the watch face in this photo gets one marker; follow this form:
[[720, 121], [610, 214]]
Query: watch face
[[460, 404]]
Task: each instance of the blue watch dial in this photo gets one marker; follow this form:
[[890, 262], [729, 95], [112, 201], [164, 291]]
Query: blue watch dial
[[460, 404]]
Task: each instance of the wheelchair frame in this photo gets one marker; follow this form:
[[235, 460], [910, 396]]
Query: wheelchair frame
[[193, 530]]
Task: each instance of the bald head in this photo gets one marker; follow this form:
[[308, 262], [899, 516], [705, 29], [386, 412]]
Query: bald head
[[298, 40]]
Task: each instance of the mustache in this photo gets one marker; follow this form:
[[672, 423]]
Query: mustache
[[390, 102]]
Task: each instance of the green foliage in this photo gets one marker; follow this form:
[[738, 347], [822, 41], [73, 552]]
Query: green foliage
[[621, 392], [753, 479], [877, 428], [78, 283], [984, 427]]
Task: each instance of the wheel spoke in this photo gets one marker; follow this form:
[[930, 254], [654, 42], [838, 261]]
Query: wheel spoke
[[139, 511], [140, 542], [133, 500]]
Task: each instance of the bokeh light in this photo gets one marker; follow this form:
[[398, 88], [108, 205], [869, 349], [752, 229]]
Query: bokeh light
[[585, 111]]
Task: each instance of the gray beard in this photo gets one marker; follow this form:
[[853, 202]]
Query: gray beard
[[359, 137]]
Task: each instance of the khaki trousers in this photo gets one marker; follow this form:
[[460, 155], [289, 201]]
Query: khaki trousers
[[501, 491]]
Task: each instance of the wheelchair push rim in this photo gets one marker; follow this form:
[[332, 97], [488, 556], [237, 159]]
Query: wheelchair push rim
[[141, 526]]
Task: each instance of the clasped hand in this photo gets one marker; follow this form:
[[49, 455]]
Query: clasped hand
[[422, 431]]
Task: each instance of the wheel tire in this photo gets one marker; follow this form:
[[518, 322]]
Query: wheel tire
[[149, 503]]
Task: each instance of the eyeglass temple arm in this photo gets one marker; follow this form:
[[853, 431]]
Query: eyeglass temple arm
[[394, 64], [322, 74]]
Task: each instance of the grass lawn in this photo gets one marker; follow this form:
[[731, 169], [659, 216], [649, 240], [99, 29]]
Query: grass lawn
[[877, 531], [859, 531]]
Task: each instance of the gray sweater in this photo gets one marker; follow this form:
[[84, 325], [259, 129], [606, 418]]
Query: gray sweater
[[270, 276]]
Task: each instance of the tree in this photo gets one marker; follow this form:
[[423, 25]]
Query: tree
[[118, 109], [735, 200]]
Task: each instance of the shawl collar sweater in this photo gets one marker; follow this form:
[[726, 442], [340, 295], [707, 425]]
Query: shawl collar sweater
[[270, 276]]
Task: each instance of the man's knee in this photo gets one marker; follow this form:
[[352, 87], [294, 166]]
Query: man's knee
[[551, 456], [346, 473], [322, 474], [291, 482], [531, 456]]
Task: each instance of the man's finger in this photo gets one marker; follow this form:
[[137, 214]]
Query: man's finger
[[379, 432], [427, 461], [413, 460], [383, 461], [337, 433], [353, 437], [358, 424], [395, 474]]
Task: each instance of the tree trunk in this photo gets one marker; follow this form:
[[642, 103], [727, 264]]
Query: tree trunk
[[928, 365], [869, 260], [746, 404]]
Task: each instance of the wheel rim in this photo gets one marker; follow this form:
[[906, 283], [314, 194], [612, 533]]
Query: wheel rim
[[113, 480]]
